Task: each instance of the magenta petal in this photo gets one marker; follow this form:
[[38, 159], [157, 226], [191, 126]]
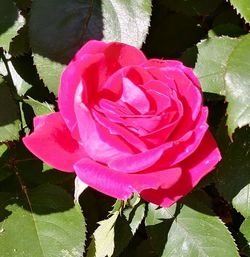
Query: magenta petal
[[120, 185], [98, 143], [51, 142], [121, 55], [91, 47], [134, 96], [162, 101], [186, 90], [194, 169], [140, 161], [116, 129], [70, 80], [187, 144]]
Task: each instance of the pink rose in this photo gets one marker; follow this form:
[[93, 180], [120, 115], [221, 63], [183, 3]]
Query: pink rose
[[127, 124]]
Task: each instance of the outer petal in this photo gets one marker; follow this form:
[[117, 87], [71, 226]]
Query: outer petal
[[194, 169], [98, 143], [70, 80], [120, 185], [118, 53], [121, 55], [51, 142], [91, 47], [141, 161]]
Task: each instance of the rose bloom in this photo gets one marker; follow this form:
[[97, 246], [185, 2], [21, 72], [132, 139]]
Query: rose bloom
[[128, 124]]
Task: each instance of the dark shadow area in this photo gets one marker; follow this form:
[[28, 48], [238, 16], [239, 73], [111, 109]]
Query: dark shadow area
[[31, 186], [59, 28], [123, 235], [233, 171], [95, 207], [4, 199], [8, 106], [243, 244], [171, 33], [8, 15]]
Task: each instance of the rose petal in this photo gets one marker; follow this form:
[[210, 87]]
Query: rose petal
[[91, 47], [186, 145], [116, 129], [165, 155], [120, 185], [70, 80], [162, 101], [135, 74], [118, 53], [134, 96], [140, 161], [194, 168], [121, 55], [99, 144], [186, 90], [51, 142]]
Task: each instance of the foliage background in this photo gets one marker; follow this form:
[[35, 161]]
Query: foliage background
[[38, 217]]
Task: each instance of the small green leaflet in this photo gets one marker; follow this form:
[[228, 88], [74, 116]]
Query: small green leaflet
[[102, 243], [38, 107], [245, 229]]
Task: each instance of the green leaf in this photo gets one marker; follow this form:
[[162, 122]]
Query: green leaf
[[38, 107], [238, 85], [192, 7], [243, 8], [134, 214], [49, 223], [128, 223], [59, 36], [120, 15], [3, 148], [223, 68], [55, 40], [213, 55], [102, 243], [190, 230], [233, 178], [245, 229], [9, 117], [49, 71], [11, 21]]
